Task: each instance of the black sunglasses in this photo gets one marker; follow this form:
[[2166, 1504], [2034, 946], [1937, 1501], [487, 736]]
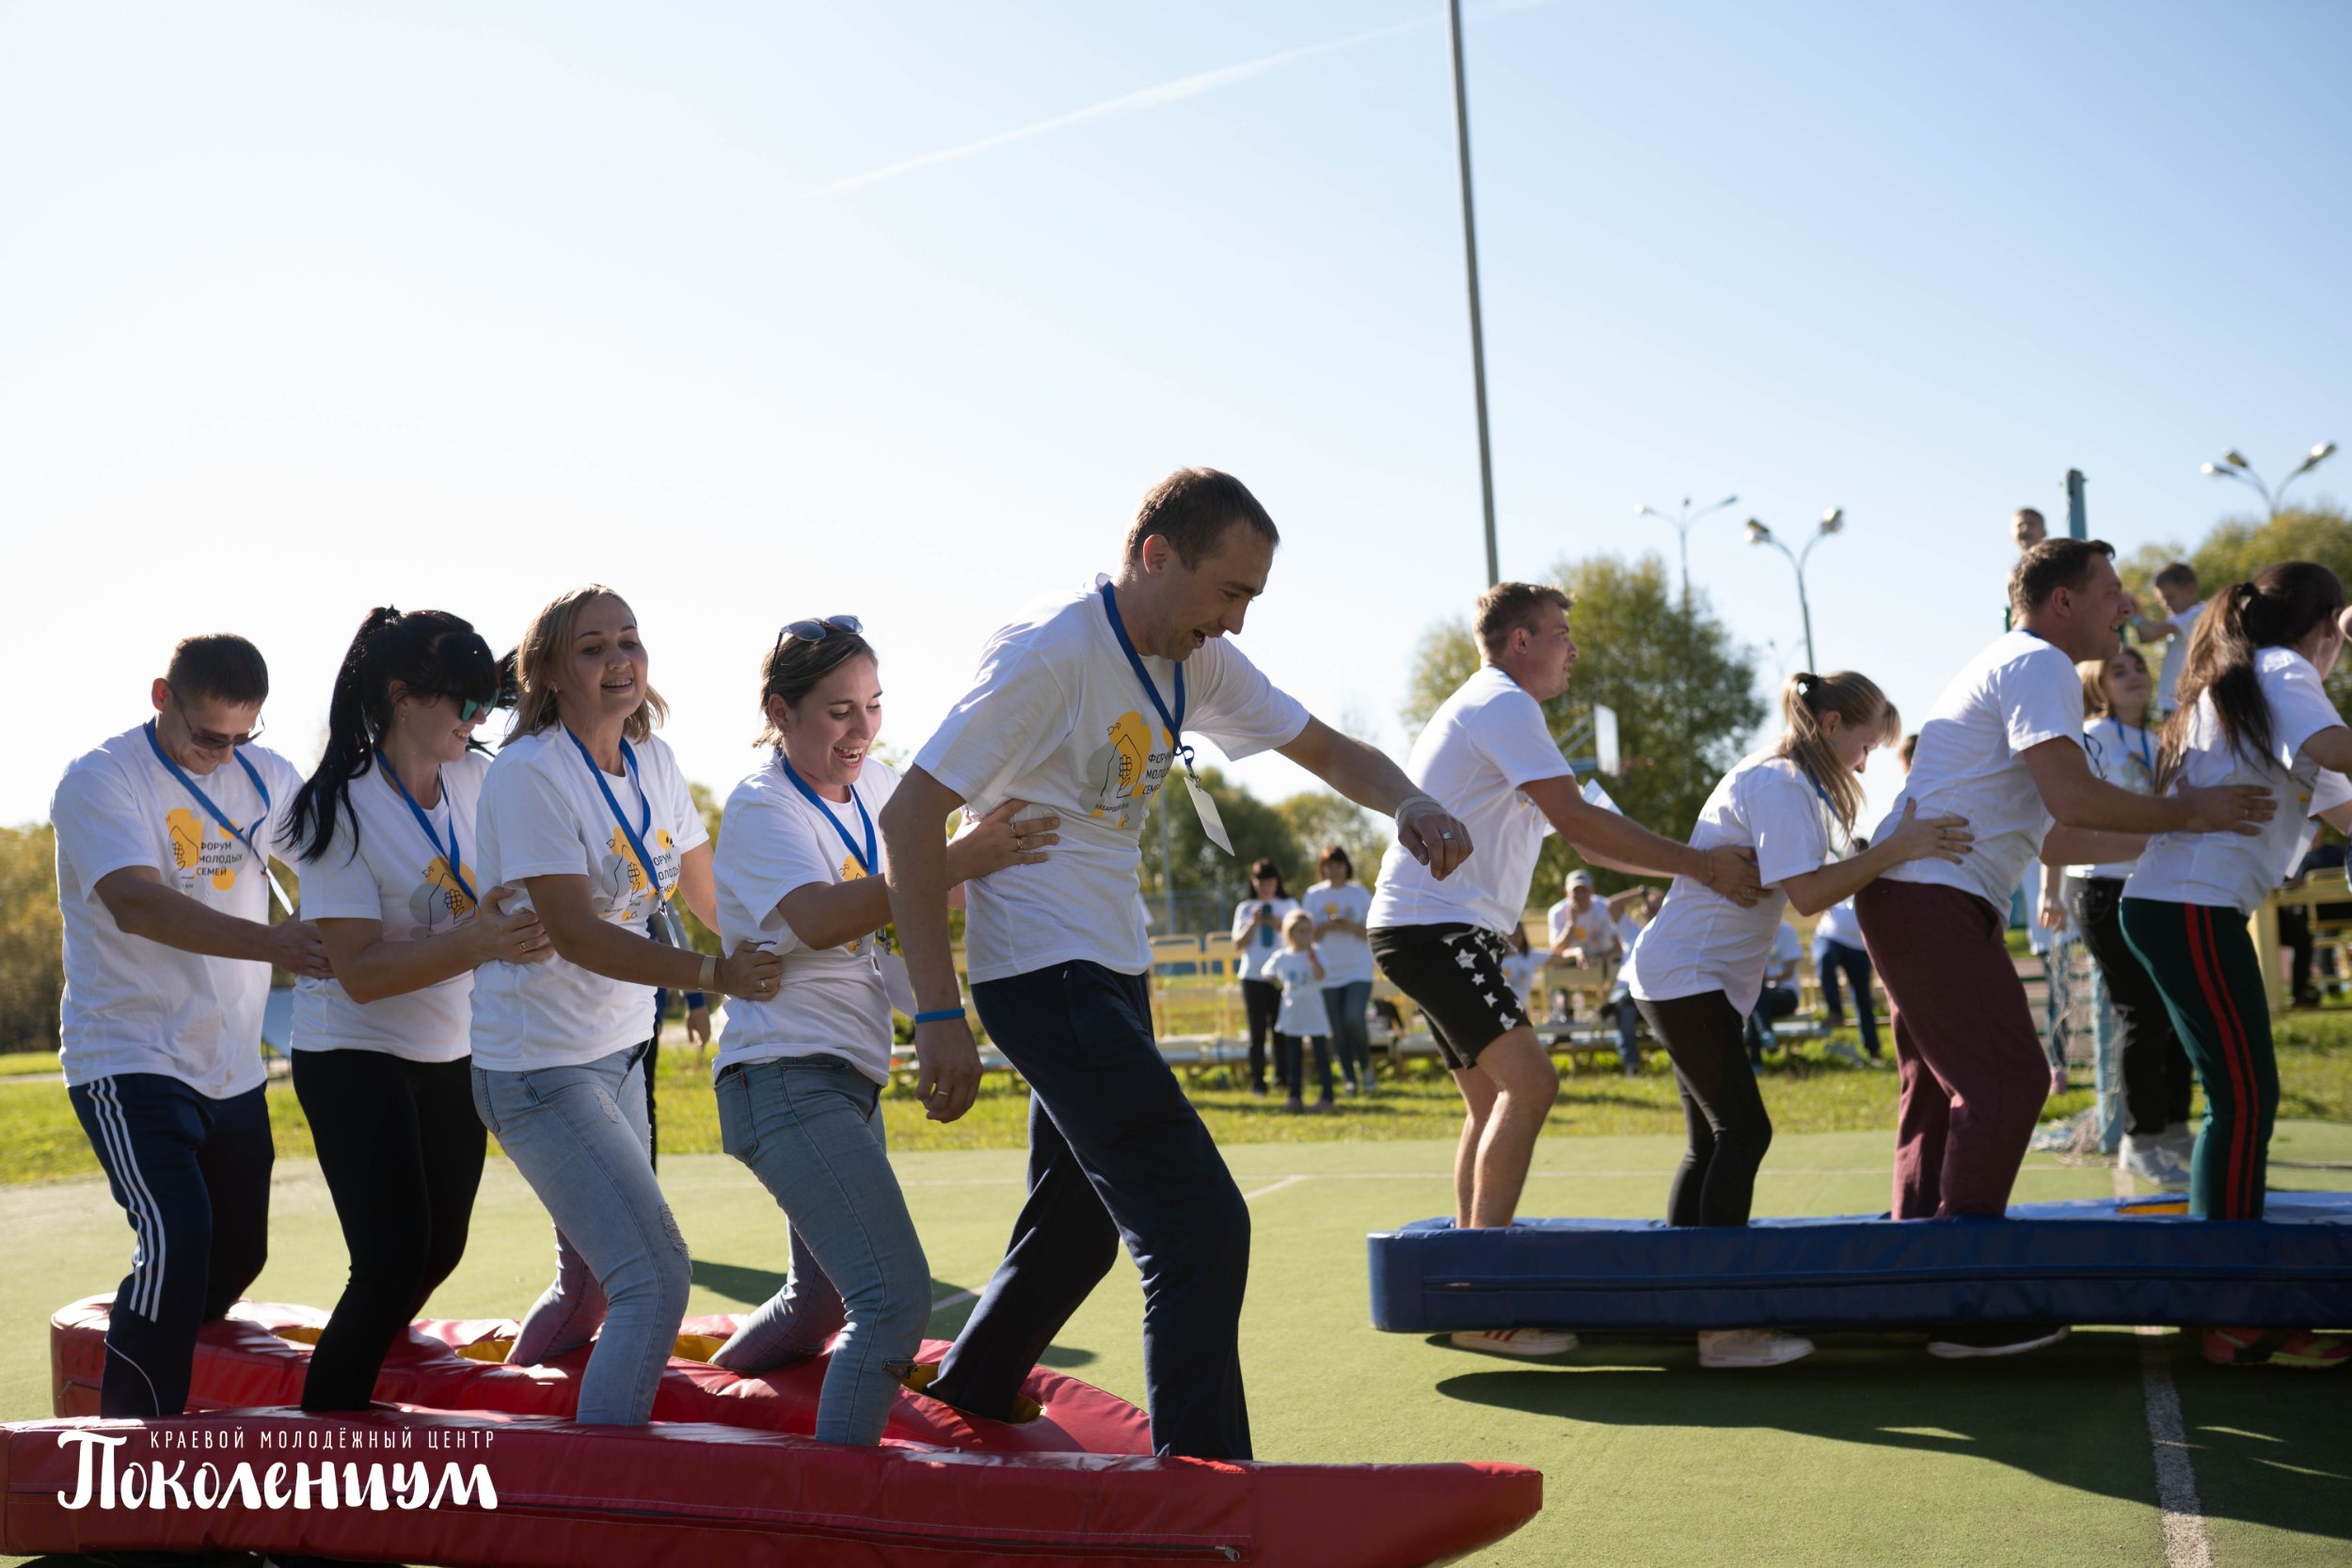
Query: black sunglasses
[[817, 631]]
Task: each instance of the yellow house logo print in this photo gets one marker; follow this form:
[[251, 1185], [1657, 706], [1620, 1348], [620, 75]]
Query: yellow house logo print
[[189, 850], [1117, 773]]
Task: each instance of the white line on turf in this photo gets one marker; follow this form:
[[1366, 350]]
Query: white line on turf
[[1275, 1187], [956, 1299], [2187, 1543]]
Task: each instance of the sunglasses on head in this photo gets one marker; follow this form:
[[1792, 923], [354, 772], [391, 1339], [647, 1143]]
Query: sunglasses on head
[[817, 631]]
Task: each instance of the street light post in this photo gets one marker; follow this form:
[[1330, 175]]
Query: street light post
[[1831, 521], [1682, 519], [1469, 263], [2234, 465]]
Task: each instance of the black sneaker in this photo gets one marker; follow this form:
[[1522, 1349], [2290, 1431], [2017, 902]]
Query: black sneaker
[[1965, 1342]]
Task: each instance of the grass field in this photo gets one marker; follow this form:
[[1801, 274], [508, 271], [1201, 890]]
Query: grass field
[[1866, 1455]]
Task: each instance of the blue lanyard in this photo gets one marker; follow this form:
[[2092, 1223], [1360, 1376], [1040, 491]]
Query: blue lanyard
[[866, 858], [644, 804], [2147, 754], [205, 801], [1829, 821], [1175, 722], [453, 857]]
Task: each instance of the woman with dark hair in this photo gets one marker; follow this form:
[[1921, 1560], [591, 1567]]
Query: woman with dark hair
[[1256, 935], [2253, 711], [1341, 905], [1698, 968], [385, 824], [800, 1075], [585, 811]]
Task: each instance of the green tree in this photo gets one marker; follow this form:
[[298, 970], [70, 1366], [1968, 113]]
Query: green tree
[[1684, 692], [1318, 817], [32, 940], [1205, 877], [2239, 548]]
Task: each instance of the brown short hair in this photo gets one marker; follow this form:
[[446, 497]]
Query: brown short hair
[[220, 665], [2053, 564], [1191, 509], [1507, 606], [2179, 572]]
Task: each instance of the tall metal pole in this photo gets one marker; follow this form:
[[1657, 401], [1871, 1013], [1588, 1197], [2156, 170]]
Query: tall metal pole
[[2078, 518], [1470, 255]]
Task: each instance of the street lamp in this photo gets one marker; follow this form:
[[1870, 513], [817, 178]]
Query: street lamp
[[1831, 521], [1682, 521], [2234, 465]]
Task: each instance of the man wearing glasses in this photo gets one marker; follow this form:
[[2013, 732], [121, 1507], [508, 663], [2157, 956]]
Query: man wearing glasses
[[1084, 709], [161, 877]]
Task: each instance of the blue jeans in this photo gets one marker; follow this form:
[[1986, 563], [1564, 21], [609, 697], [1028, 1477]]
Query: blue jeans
[[1831, 958], [810, 1129], [578, 1134], [1349, 1037]]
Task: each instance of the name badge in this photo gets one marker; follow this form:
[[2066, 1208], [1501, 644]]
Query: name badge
[[1210, 823]]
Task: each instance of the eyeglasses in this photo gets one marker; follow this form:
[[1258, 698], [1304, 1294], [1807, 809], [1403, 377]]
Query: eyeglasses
[[211, 740], [817, 631]]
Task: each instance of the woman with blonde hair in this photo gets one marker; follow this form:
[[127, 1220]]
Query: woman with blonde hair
[[1698, 968], [584, 810]]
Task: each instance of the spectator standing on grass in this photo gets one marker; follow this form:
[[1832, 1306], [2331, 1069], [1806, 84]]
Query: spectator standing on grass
[[1340, 905], [1704, 962], [1632, 910], [1488, 752], [584, 809], [1778, 998], [800, 1076], [2184, 602], [2158, 1138], [2002, 748], [164, 893], [391, 873], [1838, 954], [2254, 712], [1257, 937], [1299, 973], [1063, 712]]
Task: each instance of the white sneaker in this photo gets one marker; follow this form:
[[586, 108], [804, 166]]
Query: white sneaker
[[2181, 1138], [2154, 1163], [1751, 1347], [1517, 1341]]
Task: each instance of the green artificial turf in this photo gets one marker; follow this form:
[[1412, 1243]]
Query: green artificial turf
[[1866, 1455]]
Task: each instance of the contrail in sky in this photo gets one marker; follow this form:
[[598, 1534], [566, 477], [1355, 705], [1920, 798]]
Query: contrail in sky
[[1151, 97]]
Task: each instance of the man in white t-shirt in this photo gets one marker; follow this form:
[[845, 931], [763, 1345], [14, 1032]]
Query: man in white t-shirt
[[1080, 707], [165, 893], [1581, 929], [2002, 748], [1489, 753], [2176, 585]]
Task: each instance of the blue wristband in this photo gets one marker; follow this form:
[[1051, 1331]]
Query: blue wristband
[[939, 1014]]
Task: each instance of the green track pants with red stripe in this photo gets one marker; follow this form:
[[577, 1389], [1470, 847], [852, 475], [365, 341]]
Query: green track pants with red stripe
[[2203, 962]]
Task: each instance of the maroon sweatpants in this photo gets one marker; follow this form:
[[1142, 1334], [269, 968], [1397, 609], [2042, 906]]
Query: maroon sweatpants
[[1973, 1074]]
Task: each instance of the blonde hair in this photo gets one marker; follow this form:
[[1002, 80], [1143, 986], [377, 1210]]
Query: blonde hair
[[546, 643], [1296, 918], [1857, 702], [2095, 675]]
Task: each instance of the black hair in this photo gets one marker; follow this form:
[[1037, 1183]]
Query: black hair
[[1337, 853], [220, 665], [431, 653], [1265, 868]]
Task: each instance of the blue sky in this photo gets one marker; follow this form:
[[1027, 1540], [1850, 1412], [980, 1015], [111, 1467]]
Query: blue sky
[[307, 308]]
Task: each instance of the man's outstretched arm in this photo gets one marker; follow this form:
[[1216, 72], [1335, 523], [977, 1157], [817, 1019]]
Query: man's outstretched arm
[[1365, 775]]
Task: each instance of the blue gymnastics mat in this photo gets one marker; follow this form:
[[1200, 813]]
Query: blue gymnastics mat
[[2103, 1262]]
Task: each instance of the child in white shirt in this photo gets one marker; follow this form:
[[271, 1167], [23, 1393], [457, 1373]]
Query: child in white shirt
[[1295, 967]]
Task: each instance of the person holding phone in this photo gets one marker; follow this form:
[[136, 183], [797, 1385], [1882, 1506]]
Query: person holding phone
[[1257, 936]]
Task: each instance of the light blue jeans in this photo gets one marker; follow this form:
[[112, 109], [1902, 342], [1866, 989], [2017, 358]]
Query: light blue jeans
[[810, 1129], [578, 1134]]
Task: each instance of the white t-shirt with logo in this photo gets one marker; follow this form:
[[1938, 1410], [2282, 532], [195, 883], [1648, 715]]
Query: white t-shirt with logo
[[1522, 970], [2125, 756], [1701, 940], [1346, 957], [1837, 924], [133, 1004], [1055, 717], [831, 1001], [1592, 929], [543, 816], [1263, 941], [2016, 694], [1481, 746], [1302, 1012], [2229, 870], [2175, 655], [403, 880]]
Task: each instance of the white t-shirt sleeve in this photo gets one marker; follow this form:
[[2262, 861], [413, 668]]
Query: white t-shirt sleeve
[[1006, 724], [1240, 709], [340, 884], [101, 826], [2330, 790], [769, 854], [537, 831], [1512, 733], [285, 781], [1784, 816], [2041, 699], [2299, 709]]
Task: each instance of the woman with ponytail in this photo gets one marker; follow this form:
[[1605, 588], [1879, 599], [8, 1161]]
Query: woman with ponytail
[[385, 825], [1697, 968], [2254, 712], [586, 813]]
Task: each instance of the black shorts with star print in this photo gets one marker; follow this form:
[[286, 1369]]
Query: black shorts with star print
[[1453, 974]]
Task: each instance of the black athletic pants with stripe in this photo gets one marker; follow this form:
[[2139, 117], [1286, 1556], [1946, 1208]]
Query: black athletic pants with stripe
[[192, 1175], [2203, 962]]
